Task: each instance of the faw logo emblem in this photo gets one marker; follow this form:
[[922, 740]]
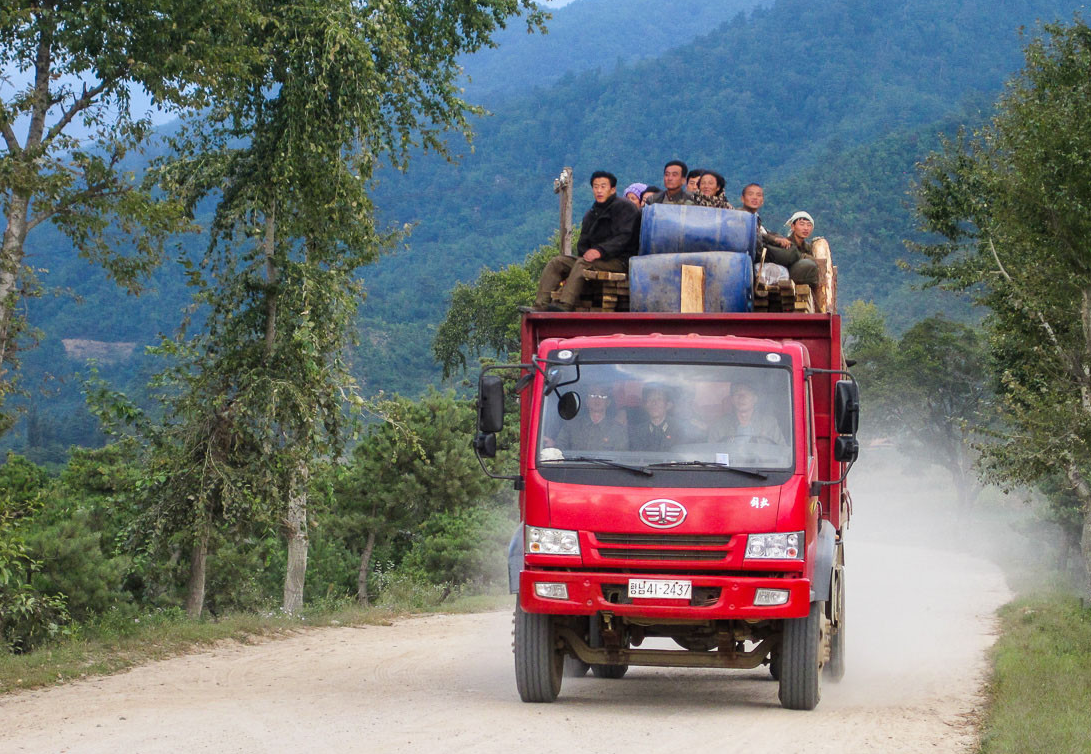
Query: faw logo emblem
[[662, 514]]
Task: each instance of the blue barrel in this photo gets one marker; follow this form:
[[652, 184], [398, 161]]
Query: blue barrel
[[680, 228], [655, 281]]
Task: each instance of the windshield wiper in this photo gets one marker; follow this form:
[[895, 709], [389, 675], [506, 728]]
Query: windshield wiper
[[606, 462], [708, 465]]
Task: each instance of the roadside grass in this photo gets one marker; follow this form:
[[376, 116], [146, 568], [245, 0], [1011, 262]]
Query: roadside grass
[[1040, 693], [116, 642]]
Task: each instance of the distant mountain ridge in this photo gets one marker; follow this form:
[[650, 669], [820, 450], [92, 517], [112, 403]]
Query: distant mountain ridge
[[589, 34], [828, 102]]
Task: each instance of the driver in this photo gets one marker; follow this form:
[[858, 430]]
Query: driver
[[742, 421], [593, 428]]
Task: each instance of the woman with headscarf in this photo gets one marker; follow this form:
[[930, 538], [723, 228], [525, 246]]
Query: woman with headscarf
[[634, 192]]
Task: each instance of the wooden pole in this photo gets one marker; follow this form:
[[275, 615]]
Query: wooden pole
[[563, 185]]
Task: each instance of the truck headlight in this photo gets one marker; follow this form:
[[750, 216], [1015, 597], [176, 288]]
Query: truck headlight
[[541, 541], [782, 546]]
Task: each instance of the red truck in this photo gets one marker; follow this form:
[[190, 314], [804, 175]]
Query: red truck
[[681, 477]]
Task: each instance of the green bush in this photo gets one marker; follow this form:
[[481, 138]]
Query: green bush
[[464, 548]]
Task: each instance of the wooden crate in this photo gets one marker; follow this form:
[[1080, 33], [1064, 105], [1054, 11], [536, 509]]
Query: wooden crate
[[602, 292]]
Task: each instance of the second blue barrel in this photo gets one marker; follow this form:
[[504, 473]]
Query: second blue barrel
[[681, 228], [655, 281]]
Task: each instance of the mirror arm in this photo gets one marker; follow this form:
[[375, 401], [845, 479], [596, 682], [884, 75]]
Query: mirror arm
[[816, 486]]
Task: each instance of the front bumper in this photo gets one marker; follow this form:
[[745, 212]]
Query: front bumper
[[715, 597]]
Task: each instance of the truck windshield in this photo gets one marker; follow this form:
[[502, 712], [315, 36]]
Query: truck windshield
[[678, 416]]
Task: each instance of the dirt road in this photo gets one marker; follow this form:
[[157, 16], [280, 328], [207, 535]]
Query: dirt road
[[446, 683]]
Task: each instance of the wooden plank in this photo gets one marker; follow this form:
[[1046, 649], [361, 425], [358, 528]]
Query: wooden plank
[[693, 289]]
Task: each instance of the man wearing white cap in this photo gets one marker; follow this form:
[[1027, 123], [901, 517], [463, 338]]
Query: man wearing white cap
[[798, 257]]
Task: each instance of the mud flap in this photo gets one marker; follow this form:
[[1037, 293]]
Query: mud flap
[[825, 553], [515, 560]]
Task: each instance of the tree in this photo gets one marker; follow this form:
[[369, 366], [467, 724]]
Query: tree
[[1010, 202], [338, 89], [483, 318], [417, 463], [83, 61], [930, 391]]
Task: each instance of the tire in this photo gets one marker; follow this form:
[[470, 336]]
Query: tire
[[609, 671], [834, 670], [801, 660], [538, 663], [574, 667], [774, 664]]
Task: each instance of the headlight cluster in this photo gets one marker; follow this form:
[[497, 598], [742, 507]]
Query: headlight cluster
[[784, 546], [551, 541]]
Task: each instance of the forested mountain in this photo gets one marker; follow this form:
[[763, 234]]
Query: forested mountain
[[591, 34], [828, 103]]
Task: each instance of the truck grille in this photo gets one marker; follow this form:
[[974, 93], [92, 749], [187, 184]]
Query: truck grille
[[687, 547], [670, 540], [617, 553]]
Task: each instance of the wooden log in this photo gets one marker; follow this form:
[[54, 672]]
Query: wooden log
[[693, 289]]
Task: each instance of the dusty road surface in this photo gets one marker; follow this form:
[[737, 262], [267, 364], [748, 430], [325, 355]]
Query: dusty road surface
[[446, 684]]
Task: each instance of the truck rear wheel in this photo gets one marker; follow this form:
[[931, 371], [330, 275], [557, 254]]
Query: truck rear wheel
[[538, 661], [801, 659], [835, 667], [574, 667], [609, 671], [774, 664]]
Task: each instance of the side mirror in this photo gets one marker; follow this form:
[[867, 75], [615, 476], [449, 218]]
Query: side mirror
[[568, 406], [846, 407], [485, 444], [846, 449], [490, 405]]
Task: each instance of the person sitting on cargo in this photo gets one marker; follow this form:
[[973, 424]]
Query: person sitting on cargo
[[742, 422], [593, 428], [608, 237], [693, 180], [798, 258], [674, 178], [648, 194], [753, 196], [711, 191], [634, 192]]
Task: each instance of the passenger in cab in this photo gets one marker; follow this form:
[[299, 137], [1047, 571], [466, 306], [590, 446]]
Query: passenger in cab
[[662, 429], [674, 178], [743, 422], [608, 237], [710, 191], [593, 428], [634, 193], [799, 256]]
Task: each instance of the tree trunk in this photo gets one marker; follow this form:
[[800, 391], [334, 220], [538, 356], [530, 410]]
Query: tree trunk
[[270, 282], [10, 263], [195, 589], [297, 541], [365, 567], [1083, 493]]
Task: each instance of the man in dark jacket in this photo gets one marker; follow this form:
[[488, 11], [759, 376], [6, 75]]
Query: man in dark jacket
[[608, 237]]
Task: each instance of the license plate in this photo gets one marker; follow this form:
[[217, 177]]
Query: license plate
[[660, 589]]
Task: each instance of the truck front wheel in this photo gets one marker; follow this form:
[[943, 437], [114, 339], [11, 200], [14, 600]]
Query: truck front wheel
[[801, 659], [538, 662]]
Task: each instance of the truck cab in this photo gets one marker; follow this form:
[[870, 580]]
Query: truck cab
[[681, 478]]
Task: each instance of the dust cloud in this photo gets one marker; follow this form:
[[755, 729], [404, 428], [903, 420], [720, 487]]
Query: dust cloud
[[923, 582]]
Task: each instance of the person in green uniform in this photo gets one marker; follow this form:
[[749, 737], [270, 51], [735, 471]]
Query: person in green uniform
[[798, 257]]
